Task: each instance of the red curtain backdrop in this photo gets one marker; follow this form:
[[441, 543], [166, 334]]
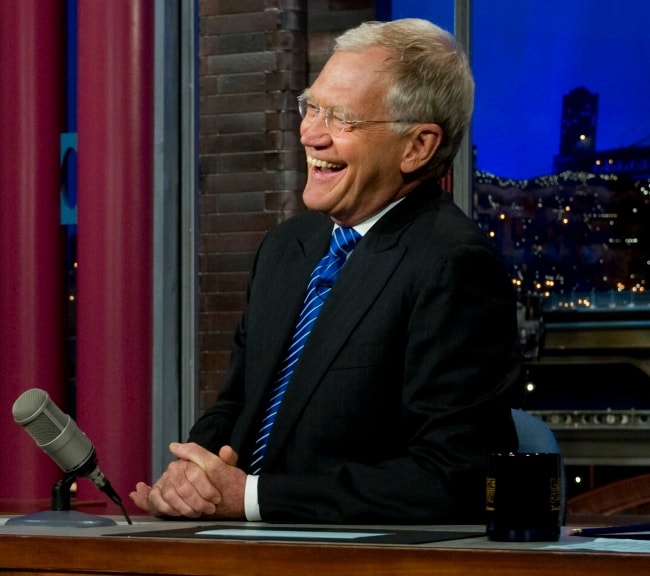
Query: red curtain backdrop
[[32, 275], [114, 277]]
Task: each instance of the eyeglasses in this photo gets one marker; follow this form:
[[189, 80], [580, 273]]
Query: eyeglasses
[[334, 122]]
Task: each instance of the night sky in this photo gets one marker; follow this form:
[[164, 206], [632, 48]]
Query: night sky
[[528, 54]]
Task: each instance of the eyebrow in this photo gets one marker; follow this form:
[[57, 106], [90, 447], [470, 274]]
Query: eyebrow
[[338, 109]]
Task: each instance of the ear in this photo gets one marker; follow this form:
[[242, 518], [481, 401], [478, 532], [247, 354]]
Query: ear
[[421, 145]]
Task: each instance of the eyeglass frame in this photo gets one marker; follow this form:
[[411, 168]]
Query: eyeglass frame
[[304, 105]]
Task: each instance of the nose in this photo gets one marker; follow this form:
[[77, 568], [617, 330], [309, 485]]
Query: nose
[[315, 133]]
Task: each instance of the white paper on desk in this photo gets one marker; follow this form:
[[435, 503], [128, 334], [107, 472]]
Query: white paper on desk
[[606, 545], [298, 534]]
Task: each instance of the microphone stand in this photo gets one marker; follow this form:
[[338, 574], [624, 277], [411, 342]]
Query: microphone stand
[[61, 500], [61, 513]]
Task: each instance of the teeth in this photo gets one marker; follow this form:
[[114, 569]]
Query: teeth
[[322, 163]]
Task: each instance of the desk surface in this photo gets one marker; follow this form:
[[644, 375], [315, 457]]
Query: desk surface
[[116, 550]]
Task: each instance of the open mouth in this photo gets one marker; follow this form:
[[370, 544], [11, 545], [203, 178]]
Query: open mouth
[[323, 165]]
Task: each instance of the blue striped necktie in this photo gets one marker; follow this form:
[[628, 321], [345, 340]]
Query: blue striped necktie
[[322, 278]]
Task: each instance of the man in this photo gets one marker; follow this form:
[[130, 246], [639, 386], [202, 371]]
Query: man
[[405, 383]]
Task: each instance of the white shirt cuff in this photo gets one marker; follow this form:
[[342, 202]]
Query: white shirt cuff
[[251, 505]]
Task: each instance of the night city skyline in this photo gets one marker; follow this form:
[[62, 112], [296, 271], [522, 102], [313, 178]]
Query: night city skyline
[[577, 237]]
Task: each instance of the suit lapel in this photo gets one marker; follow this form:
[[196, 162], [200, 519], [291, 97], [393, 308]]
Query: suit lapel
[[268, 347], [296, 264]]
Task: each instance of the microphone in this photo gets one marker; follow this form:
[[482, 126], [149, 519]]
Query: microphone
[[59, 437]]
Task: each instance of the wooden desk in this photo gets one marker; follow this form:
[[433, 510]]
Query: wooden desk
[[89, 551]]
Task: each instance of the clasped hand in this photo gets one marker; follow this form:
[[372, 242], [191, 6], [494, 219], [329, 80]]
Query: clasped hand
[[198, 484]]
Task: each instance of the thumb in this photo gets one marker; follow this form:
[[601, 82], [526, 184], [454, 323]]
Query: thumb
[[192, 452], [228, 455]]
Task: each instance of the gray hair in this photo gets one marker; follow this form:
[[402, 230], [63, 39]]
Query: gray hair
[[431, 80]]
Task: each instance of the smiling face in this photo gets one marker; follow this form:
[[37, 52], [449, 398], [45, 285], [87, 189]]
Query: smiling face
[[354, 174]]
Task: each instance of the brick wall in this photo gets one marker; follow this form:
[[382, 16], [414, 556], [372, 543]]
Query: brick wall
[[255, 57]]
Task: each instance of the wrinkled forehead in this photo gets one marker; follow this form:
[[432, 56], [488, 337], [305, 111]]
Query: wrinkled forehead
[[352, 80]]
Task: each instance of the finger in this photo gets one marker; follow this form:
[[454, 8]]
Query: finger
[[228, 455], [192, 452], [209, 468], [187, 489], [197, 485], [194, 483], [165, 499], [140, 496], [200, 486]]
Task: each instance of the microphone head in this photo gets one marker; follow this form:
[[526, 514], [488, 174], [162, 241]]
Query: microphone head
[[54, 432]]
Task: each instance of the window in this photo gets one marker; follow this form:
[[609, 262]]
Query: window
[[561, 146]]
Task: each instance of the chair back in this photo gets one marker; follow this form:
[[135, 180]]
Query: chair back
[[534, 434]]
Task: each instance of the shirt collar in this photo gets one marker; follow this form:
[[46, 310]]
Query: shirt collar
[[366, 225]]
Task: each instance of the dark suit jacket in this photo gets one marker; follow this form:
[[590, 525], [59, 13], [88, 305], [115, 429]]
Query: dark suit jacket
[[404, 385]]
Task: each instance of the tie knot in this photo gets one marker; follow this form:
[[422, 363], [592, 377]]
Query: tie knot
[[344, 240], [327, 270]]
